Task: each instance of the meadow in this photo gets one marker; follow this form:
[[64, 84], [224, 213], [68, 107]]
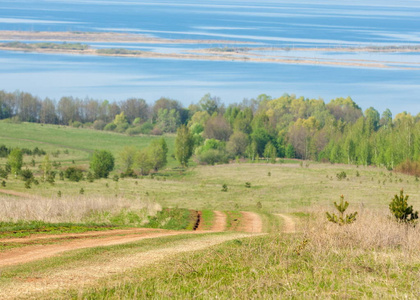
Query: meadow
[[371, 258]]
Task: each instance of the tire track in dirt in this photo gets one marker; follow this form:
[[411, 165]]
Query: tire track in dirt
[[289, 223], [82, 276], [219, 222], [19, 194], [92, 234], [251, 222], [32, 253]]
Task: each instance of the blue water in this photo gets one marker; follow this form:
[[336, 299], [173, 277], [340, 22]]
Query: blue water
[[267, 23]]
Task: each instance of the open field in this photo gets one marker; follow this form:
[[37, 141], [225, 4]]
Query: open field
[[269, 239]]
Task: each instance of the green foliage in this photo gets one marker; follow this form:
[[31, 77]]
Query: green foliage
[[224, 187], [158, 152], [184, 144], [90, 177], [15, 160], [3, 183], [81, 191], [401, 210], [172, 218], [101, 163], [248, 184], [213, 156], [341, 219], [342, 175], [27, 175], [73, 174], [270, 153]]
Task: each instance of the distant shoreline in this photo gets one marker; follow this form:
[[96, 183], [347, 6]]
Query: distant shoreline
[[93, 37], [209, 54]]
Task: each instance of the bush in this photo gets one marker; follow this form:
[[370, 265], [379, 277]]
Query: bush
[[342, 219], [134, 130], [146, 128], [73, 174], [27, 175], [102, 163], [224, 187], [76, 124], [342, 175], [213, 156], [99, 125], [400, 209], [409, 167], [156, 131], [110, 127]]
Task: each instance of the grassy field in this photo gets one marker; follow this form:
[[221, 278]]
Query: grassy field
[[372, 258], [80, 143]]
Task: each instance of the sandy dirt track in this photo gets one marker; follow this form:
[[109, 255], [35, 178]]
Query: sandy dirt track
[[289, 224], [81, 276]]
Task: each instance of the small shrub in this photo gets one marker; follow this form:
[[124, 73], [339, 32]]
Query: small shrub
[[82, 191], [59, 194], [99, 125], [259, 205], [248, 184], [357, 174], [400, 209], [269, 174], [27, 175], [342, 175], [115, 178], [3, 183], [110, 127], [90, 177], [409, 167], [3, 173], [342, 219], [224, 187], [73, 174], [27, 184]]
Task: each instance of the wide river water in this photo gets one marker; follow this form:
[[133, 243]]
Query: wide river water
[[267, 23]]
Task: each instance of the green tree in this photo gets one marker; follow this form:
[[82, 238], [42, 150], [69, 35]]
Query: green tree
[[46, 167], [143, 162], [15, 160], [128, 157], [342, 219], [400, 209], [102, 163], [270, 153], [184, 144], [158, 151]]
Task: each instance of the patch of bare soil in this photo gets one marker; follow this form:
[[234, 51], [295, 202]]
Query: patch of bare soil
[[251, 222], [89, 234], [79, 277], [219, 222], [289, 224], [36, 252]]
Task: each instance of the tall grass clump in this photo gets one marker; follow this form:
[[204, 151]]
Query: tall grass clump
[[77, 209], [374, 230]]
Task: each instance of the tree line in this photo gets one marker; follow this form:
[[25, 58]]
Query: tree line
[[265, 127]]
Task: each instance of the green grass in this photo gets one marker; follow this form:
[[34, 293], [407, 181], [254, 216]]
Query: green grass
[[266, 267], [26, 228], [207, 218], [80, 142], [173, 219], [82, 257]]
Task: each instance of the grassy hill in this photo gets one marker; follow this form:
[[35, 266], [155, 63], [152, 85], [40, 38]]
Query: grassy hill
[[375, 257]]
